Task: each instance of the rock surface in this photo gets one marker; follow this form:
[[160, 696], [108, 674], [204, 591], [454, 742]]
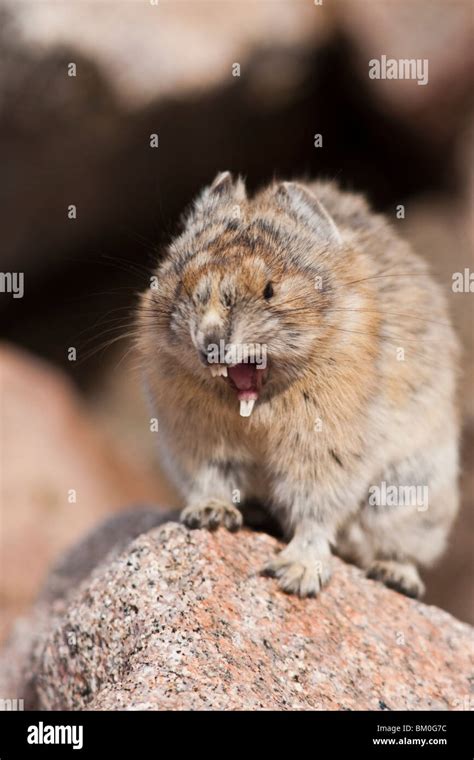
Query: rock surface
[[184, 620]]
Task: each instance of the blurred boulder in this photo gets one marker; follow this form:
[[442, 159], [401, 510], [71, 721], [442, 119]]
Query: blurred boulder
[[60, 473], [438, 32], [136, 46]]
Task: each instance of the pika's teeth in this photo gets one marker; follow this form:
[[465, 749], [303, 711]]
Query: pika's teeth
[[246, 407], [217, 370]]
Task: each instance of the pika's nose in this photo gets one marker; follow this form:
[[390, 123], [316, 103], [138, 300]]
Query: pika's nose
[[209, 342]]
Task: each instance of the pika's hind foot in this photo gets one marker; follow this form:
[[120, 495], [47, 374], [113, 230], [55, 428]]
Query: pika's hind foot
[[299, 572], [399, 576], [211, 514]]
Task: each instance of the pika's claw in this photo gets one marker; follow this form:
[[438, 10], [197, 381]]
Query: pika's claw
[[211, 514], [303, 575], [399, 576]]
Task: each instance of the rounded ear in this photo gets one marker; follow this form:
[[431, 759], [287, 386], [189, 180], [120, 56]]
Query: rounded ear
[[222, 183], [226, 187], [216, 198], [306, 207]]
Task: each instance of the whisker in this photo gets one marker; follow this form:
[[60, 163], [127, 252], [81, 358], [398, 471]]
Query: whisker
[[106, 344], [379, 276], [390, 313]]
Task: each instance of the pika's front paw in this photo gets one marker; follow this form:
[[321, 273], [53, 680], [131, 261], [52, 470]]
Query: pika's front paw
[[211, 514], [399, 576], [299, 574]]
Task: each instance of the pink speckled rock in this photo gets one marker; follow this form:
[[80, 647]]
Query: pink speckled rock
[[184, 620]]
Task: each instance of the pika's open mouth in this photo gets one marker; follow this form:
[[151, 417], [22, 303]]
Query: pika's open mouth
[[245, 379]]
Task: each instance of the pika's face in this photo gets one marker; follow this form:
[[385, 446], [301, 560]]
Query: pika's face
[[241, 322]]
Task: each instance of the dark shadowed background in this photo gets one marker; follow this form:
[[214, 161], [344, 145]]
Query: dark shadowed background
[[76, 443]]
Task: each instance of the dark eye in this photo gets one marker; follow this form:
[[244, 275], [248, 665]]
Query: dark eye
[[268, 291]]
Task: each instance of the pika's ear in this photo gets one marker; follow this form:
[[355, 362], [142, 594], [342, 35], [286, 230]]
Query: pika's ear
[[306, 207], [224, 186], [216, 198]]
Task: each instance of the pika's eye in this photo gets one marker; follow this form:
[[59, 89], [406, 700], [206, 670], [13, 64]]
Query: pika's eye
[[268, 291]]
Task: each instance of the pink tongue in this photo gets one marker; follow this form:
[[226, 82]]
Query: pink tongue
[[244, 377]]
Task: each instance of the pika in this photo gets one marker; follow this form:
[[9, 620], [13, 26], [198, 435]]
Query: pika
[[300, 355]]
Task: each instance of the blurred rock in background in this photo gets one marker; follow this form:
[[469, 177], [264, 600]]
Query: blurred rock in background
[[169, 69], [60, 473], [431, 30]]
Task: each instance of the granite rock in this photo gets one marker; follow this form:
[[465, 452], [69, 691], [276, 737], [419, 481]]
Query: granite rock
[[185, 620]]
